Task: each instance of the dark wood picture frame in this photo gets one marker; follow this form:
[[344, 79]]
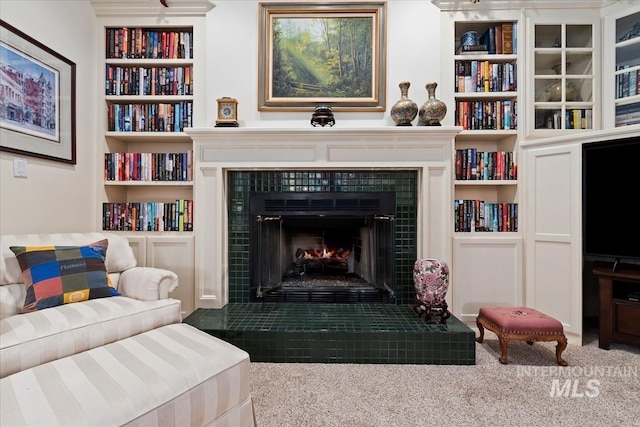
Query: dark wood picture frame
[[38, 103]]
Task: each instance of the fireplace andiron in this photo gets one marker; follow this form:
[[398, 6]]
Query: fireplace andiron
[[431, 281]]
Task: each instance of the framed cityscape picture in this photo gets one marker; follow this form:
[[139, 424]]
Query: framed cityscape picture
[[37, 98], [314, 54]]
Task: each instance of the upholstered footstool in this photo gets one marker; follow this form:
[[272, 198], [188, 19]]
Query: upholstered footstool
[[523, 324]]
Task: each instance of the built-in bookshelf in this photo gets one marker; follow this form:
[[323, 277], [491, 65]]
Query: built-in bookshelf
[[149, 100], [485, 89], [152, 59], [483, 85]]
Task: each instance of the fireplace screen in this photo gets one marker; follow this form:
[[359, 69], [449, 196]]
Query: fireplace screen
[[322, 247]]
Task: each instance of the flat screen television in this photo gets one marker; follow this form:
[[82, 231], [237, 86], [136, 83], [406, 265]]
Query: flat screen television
[[610, 195]]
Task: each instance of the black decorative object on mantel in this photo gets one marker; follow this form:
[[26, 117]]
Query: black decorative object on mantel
[[322, 116]]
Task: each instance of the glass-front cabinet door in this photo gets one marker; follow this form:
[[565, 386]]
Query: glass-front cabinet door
[[627, 70], [621, 65], [562, 84]]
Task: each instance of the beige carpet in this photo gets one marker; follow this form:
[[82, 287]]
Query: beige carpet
[[487, 394]]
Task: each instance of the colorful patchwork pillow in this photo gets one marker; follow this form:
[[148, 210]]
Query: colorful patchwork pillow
[[56, 275]]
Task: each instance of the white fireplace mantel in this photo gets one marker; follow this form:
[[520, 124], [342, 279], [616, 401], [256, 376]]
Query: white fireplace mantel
[[427, 150]]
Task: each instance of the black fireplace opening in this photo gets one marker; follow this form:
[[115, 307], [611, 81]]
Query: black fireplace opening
[[323, 247]]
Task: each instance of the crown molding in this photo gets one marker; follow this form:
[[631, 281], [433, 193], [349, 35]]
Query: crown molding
[[151, 7], [451, 5]]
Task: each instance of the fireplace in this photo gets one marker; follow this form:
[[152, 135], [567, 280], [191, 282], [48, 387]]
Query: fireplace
[[323, 247], [231, 163]]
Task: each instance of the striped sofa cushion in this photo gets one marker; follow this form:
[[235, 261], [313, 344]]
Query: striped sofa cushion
[[172, 376], [33, 338]]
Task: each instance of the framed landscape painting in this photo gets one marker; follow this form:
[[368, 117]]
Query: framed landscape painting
[[322, 54], [37, 98]]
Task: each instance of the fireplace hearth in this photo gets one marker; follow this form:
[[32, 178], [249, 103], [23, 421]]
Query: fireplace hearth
[[323, 247]]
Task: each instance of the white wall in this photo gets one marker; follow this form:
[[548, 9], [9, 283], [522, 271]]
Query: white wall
[[56, 196], [60, 197], [413, 54]]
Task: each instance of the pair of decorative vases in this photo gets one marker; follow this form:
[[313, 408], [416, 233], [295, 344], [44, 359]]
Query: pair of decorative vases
[[405, 110]]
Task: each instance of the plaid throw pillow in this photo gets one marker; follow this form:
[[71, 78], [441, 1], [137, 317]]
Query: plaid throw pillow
[[56, 275]]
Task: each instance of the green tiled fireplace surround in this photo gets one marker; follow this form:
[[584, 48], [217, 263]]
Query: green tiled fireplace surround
[[332, 333], [337, 333], [242, 183]]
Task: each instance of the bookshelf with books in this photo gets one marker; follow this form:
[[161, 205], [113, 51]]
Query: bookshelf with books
[[153, 87], [485, 91], [150, 74], [482, 86], [622, 93]]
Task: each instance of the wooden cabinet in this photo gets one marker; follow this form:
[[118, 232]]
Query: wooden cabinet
[[553, 227], [486, 272], [619, 304]]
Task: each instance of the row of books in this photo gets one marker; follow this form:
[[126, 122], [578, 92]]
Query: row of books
[[148, 216], [475, 165], [478, 215], [493, 115], [627, 84], [485, 76], [578, 118], [127, 43], [628, 114], [148, 166], [148, 81], [167, 117], [501, 38]]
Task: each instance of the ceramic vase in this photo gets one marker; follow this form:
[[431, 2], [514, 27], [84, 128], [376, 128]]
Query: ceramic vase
[[405, 110], [433, 110], [431, 281]]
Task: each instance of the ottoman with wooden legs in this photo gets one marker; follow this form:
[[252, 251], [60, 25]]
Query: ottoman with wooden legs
[[523, 324]]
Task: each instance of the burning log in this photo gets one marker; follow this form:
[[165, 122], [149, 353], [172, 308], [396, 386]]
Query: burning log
[[321, 258], [322, 253]]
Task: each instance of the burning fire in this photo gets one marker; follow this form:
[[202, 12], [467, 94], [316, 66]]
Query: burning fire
[[323, 253]]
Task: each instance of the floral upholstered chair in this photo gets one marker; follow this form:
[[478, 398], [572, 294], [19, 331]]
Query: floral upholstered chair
[[431, 281]]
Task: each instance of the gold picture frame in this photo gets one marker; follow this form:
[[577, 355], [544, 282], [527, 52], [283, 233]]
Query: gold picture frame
[[322, 54]]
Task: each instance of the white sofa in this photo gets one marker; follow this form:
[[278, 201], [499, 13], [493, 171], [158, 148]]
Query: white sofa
[[122, 360]]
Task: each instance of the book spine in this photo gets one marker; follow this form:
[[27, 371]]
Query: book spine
[[507, 38]]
